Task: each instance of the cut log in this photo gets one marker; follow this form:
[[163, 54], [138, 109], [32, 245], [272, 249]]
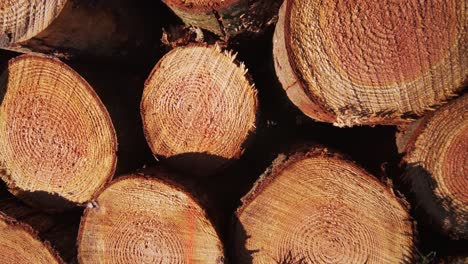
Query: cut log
[[59, 230], [57, 142], [138, 219], [436, 166], [370, 62], [68, 27], [316, 207], [227, 18], [198, 109], [19, 243]]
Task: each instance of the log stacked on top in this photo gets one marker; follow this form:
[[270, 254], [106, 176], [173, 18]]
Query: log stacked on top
[[371, 62], [57, 141], [227, 18], [110, 28], [314, 206]]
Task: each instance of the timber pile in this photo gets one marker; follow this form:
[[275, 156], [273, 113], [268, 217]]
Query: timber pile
[[121, 144]]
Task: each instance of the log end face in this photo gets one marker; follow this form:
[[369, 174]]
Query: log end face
[[319, 208], [145, 220], [436, 168], [372, 63], [199, 108], [55, 132]]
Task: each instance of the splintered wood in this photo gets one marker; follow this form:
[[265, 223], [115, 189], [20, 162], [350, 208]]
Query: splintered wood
[[198, 109]]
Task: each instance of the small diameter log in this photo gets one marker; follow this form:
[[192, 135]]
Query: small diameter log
[[198, 109], [227, 18], [370, 62], [138, 219], [316, 207], [436, 166], [57, 142], [19, 243], [68, 27]]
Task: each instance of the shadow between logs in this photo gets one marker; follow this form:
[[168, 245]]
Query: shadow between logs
[[436, 212], [197, 163]]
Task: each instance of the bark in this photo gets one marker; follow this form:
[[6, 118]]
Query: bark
[[20, 244], [229, 18]]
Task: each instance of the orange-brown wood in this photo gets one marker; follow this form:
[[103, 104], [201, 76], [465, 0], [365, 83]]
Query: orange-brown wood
[[371, 62], [138, 219], [314, 206]]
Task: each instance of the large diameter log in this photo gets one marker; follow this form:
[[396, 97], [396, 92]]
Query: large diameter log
[[436, 166], [19, 243], [68, 27], [227, 18], [371, 62], [56, 137], [316, 207], [198, 109], [138, 219]]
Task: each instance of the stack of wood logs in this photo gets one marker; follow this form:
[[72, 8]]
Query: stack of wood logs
[[81, 186]]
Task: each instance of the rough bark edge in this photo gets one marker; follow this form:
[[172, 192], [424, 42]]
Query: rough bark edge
[[231, 18], [33, 233], [407, 137], [309, 151], [309, 105], [159, 175], [5, 175], [200, 9], [381, 118], [231, 56]]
